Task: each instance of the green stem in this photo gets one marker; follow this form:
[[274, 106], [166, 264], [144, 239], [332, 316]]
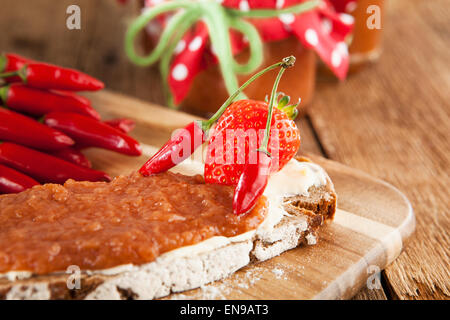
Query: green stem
[[4, 94], [255, 44], [143, 20], [217, 22], [20, 73], [287, 62], [9, 74], [3, 62]]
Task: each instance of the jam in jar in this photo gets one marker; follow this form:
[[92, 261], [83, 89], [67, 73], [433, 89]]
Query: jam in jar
[[208, 90], [365, 45]]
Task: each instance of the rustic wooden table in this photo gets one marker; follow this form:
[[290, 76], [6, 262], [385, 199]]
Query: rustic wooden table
[[391, 120]]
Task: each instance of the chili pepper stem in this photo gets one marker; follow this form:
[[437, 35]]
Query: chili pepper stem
[[8, 74], [285, 63], [4, 94], [3, 62], [20, 73]]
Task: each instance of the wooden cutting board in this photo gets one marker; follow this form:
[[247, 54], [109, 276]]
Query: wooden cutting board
[[369, 231]]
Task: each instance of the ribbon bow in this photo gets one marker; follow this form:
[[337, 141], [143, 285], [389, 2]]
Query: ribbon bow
[[230, 30]]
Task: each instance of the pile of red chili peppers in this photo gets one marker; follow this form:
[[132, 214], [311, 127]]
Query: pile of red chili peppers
[[44, 125]]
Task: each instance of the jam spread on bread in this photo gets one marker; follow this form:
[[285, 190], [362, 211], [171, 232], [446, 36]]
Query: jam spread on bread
[[98, 225]]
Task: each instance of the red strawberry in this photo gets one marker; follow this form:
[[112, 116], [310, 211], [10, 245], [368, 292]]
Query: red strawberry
[[243, 123]]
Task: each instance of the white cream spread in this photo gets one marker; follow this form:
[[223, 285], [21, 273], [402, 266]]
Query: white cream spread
[[294, 179], [16, 275]]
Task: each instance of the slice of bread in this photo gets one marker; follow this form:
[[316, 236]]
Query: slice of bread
[[175, 273]]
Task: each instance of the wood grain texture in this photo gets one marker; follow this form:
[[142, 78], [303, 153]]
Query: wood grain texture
[[367, 294], [369, 229], [38, 29], [391, 120]]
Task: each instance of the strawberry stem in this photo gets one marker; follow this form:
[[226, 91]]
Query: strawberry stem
[[291, 110], [287, 62]]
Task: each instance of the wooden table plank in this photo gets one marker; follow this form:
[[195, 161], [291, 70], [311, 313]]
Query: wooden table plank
[[367, 294], [38, 29], [392, 120]]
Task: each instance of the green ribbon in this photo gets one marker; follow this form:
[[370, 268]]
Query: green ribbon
[[219, 20]]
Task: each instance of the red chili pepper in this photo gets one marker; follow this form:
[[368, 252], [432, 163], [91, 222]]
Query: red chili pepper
[[12, 62], [20, 129], [82, 99], [12, 181], [124, 125], [38, 102], [89, 132], [72, 155], [252, 183], [177, 149], [255, 176], [48, 76], [45, 168]]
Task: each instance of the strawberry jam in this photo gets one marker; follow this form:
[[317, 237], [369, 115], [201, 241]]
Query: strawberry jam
[[367, 35], [99, 225]]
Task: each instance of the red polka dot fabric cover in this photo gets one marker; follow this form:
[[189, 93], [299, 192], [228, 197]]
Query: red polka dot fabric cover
[[344, 5], [323, 30]]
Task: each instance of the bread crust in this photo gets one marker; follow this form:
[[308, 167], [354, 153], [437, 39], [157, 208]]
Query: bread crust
[[169, 274]]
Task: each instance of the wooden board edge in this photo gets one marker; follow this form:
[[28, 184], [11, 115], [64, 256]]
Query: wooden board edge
[[408, 226]]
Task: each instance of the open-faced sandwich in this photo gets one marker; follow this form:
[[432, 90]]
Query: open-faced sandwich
[[178, 223]]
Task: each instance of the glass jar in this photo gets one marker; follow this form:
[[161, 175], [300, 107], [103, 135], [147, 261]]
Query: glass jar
[[208, 90], [366, 41]]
